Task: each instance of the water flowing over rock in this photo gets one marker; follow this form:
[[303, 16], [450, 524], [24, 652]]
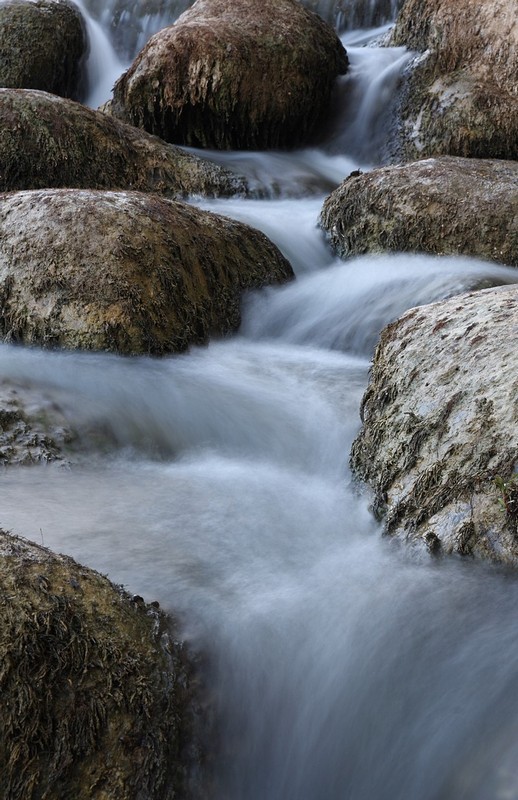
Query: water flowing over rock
[[94, 686], [460, 98], [46, 141], [440, 426], [128, 272], [231, 74], [442, 205], [41, 45]]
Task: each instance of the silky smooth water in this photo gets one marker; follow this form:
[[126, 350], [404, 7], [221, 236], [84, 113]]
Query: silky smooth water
[[340, 665]]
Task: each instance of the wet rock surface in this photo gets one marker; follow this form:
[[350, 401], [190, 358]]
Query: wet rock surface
[[125, 272], [46, 141], [95, 687], [460, 93], [439, 206], [42, 43], [240, 74], [439, 443]]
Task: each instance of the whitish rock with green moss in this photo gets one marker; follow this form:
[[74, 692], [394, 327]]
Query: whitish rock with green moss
[[124, 271], [439, 443], [46, 141], [439, 205], [234, 74], [96, 692], [42, 43], [459, 97]]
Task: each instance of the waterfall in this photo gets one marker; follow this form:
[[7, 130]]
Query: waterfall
[[341, 665]]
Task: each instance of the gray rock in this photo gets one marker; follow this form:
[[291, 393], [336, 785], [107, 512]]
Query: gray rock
[[42, 43], [124, 271], [439, 443], [439, 205], [234, 74]]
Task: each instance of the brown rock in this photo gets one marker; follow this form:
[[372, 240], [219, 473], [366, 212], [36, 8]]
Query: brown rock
[[438, 205], [460, 97], [42, 43], [124, 271], [234, 74], [46, 141], [96, 693]]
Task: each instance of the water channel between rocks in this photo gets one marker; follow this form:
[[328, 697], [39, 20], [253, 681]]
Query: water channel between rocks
[[340, 664]]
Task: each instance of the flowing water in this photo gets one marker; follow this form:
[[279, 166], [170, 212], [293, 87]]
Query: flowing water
[[341, 665]]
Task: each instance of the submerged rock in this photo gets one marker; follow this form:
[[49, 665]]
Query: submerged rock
[[124, 271], [42, 43], [46, 141], [32, 428], [97, 697], [460, 93], [441, 206], [439, 443], [234, 74]]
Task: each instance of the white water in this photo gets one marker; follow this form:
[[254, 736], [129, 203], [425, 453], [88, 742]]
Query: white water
[[341, 666]]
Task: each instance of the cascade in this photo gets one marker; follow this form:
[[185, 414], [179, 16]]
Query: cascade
[[341, 665]]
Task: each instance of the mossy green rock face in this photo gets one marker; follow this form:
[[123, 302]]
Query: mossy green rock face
[[96, 698], [126, 272], [234, 74], [46, 141], [42, 43], [439, 205], [439, 443], [460, 96]]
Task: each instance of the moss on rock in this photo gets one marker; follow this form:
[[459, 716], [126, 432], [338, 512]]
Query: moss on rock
[[96, 693], [441, 206], [440, 426], [234, 74], [46, 141], [460, 95], [42, 43], [127, 272]]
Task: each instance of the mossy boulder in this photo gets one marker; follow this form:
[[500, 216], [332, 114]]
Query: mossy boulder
[[439, 443], [442, 205], [97, 698], [47, 141], [234, 74], [42, 43], [460, 92], [124, 271]]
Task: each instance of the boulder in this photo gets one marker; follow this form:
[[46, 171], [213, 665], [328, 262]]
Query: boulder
[[459, 96], [234, 74], [46, 141], [42, 43], [124, 271], [439, 443], [439, 205], [97, 697]]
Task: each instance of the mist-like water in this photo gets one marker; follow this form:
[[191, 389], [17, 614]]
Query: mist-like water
[[341, 665]]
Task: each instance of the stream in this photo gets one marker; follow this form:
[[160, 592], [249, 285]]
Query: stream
[[341, 665]]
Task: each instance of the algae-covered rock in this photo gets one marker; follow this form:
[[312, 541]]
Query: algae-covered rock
[[124, 271], [97, 699], [46, 141], [442, 205], [439, 443], [42, 43], [460, 95], [234, 74]]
